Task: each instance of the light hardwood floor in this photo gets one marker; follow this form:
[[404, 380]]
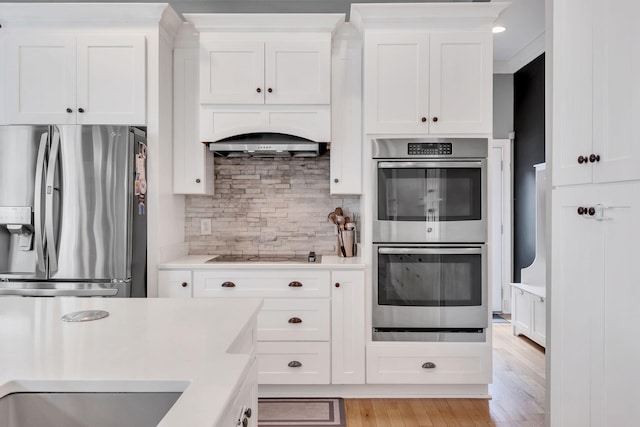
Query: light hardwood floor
[[517, 392]]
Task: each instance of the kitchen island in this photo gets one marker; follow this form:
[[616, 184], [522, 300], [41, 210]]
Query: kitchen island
[[201, 348]]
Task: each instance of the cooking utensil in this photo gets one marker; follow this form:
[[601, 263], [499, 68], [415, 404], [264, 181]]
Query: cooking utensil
[[340, 223]]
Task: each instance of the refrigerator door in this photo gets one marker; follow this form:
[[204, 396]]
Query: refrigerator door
[[89, 192], [23, 151]]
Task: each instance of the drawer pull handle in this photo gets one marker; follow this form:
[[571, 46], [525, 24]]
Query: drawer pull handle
[[248, 413], [228, 285], [428, 365], [295, 320], [184, 284], [294, 364], [295, 284]]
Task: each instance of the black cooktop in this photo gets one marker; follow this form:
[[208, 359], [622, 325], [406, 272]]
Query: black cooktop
[[268, 258]]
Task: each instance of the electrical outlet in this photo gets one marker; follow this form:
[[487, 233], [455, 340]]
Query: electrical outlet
[[205, 226]]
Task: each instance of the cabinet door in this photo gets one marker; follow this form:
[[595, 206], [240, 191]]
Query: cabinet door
[[347, 327], [174, 284], [461, 83], [522, 312], [539, 320], [111, 79], [616, 91], [396, 83], [346, 118], [41, 79], [232, 72], [576, 292], [619, 295], [298, 72], [192, 160], [572, 90]]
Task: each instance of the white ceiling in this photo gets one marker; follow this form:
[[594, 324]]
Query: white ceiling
[[522, 42]]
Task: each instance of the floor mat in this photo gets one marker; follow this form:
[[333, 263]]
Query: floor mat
[[288, 412]]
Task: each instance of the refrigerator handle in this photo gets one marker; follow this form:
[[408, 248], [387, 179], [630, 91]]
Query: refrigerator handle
[[50, 190], [41, 172]]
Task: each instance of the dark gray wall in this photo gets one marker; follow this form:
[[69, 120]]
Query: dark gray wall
[[528, 147], [502, 105]]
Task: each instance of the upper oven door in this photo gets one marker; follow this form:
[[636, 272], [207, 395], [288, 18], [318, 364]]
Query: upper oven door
[[430, 201]]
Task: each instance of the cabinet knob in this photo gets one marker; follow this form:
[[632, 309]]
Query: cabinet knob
[[228, 285], [435, 119], [424, 119], [258, 90], [337, 285], [336, 180], [295, 284], [540, 299], [592, 211], [428, 365], [184, 284], [248, 413], [269, 90], [594, 158], [295, 320], [294, 364], [80, 110], [245, 422], [69, 110], [582, 159], [197, 180], [581, 210]]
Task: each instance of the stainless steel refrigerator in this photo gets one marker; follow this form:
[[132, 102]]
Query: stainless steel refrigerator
[[70, 221]]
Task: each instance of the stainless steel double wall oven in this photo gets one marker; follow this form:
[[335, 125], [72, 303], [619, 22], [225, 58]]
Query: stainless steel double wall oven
[[429, 235]]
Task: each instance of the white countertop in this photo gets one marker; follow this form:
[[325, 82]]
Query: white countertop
[[149, 345], [327, 262]]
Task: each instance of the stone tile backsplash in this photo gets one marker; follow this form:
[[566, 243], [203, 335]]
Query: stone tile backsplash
[[267, 206]]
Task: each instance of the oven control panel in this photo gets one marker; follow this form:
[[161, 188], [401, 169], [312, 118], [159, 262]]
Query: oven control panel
[[429, 148]]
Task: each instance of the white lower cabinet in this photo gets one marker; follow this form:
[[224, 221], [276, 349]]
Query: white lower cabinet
[[529, 315], [174, 284], [428, 363], [245, 403], [347, 327], [293, 362]]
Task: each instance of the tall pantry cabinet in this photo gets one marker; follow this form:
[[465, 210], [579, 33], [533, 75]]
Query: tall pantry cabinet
[[595, 205]]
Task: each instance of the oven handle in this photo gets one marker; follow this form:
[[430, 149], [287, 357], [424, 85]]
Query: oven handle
[[430, 251], [435, 165]]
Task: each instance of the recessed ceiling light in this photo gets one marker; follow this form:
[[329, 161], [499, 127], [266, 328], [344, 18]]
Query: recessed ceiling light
[[498, 29]]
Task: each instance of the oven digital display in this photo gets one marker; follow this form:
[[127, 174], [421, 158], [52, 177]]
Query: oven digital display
[[429, 148]]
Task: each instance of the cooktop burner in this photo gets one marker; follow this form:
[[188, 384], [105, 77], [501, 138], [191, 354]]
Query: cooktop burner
[[268, 258]]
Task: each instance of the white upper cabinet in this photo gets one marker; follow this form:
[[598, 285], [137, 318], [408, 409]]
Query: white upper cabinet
[[596, 91], [419, 79], [273, 72], [67, 78]]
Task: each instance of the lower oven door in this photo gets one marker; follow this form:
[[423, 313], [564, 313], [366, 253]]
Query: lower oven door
[[424, 288]]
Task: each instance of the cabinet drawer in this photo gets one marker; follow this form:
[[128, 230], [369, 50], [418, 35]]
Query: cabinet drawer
[[398, 365], [276, 363], [293, 319], [174, 284], [262, 283]]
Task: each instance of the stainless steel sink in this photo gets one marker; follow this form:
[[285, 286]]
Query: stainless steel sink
[[85, 409]]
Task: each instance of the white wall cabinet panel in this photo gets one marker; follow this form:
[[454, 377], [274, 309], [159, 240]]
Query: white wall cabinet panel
[[111, 79], [192, 160], [232, 72], [346, 119], [460, 83], [396, 82], [298, 72], [420, 82], [539, 320], [41, 71], [596, 90], [522, 312], [272, 72], [68, 79], [347, 327], [174, 284]]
